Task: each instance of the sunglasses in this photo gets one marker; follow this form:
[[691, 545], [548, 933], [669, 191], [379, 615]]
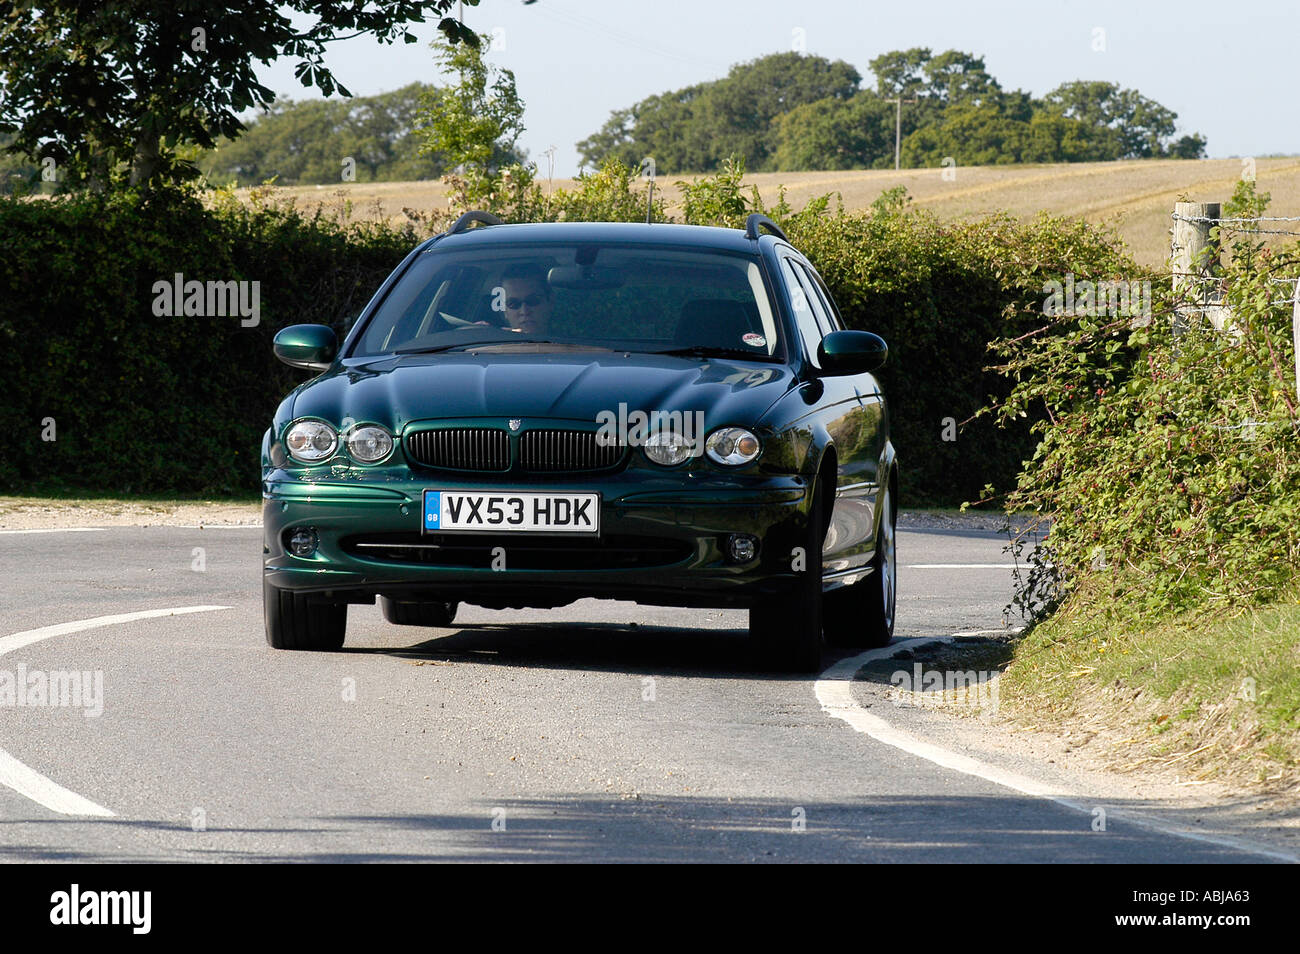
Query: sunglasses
[[532, 301]]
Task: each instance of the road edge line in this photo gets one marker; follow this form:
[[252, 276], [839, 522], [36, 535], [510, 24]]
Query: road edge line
[[24, 779], [833, 690]]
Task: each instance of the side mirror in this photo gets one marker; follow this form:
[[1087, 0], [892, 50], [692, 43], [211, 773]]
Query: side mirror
[[851, 352], [306, 346]]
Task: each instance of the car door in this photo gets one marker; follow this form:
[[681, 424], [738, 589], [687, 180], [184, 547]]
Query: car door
[[860, 441], [840, 411]]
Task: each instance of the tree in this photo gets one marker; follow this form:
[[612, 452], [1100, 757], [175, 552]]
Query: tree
[[972, 135], [792, 111], [668, 126], [695, 128], [1142, 125], [306, 142], [472, 123], [113, 92], [17, 173], [740, 108], [855, 133], [1051, 137], [1188, 147], [900, 72], [955, 77], [613, 140]]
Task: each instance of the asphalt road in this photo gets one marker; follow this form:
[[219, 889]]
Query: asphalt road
[[600, 731]]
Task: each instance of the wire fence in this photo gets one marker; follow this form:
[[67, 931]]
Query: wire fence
[[1212, 301], [1231, 223]]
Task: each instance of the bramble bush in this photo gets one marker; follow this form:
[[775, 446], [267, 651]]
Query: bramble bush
[[1168, 461], [939, 293]]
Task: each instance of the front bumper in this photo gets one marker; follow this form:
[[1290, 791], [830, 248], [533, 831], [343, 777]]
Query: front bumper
[[663, 541]]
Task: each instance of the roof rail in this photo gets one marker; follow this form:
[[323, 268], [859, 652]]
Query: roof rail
[[463, 223], [758, 221]]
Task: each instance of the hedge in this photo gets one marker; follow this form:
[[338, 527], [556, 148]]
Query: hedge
[[143, 403], [148, 404]]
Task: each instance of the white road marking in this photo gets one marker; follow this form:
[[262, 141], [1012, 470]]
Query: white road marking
[[18, 640], [27, 781], [959, 566], [60, 530], [30, 783], [835, 693]]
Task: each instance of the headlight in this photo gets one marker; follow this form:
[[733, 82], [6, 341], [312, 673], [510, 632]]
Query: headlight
[[311, 441], [368, 444], [667, 448], [732, 446]]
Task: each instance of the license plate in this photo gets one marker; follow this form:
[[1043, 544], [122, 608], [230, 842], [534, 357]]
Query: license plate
[[459, 511]]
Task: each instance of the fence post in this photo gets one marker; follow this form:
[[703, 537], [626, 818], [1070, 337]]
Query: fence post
[[1192, 256]]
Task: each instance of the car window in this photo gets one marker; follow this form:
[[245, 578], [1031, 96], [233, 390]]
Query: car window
[[805, 307], [616, 296], [827, 316]]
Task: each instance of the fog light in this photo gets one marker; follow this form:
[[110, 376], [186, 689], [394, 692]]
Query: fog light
[[303, 542], [741, 547]]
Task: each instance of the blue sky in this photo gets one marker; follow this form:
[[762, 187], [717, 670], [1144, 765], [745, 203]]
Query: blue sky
[[577, 60]]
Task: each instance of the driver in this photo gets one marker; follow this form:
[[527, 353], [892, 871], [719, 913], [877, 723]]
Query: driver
[[528, 299]]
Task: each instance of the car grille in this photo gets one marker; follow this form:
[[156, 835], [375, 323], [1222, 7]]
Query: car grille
[[477, 551], [461, 448], [487, 450], [552, 451]]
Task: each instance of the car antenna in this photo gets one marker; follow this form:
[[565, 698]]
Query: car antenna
[[648, 170]]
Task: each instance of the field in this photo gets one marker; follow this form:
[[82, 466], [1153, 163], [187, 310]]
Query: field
[[1135, 197]]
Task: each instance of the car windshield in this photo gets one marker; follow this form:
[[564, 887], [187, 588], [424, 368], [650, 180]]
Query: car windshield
[[559, 297]]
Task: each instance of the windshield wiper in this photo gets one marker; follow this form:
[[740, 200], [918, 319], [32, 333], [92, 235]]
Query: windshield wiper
[[445, 347], [496, 341], [712, 351]]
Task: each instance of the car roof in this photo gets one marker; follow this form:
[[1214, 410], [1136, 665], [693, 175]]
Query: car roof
[[680, 236]]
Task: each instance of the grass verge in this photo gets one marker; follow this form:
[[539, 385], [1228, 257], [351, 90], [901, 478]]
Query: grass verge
[[1215, 695]]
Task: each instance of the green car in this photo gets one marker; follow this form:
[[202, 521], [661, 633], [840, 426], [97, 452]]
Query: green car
[[526, 415]]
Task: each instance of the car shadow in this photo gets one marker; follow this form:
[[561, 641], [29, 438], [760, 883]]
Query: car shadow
[[600, 647]]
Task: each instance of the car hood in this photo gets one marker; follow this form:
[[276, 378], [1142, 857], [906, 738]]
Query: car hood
[[397, 390]]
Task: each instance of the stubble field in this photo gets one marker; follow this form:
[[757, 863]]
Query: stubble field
[[1134, 197]]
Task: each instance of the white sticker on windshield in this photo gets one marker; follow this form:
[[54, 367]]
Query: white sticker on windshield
[[754, 340]]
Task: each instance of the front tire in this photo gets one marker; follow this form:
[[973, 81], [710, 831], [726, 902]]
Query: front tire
[[297, 621], [861, 616], [788, 629]]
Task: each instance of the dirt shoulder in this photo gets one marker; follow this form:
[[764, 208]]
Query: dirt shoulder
[[1104, 752], [41, 513]]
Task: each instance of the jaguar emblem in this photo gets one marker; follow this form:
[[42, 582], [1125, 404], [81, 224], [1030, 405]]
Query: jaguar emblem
[[515, 423]]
